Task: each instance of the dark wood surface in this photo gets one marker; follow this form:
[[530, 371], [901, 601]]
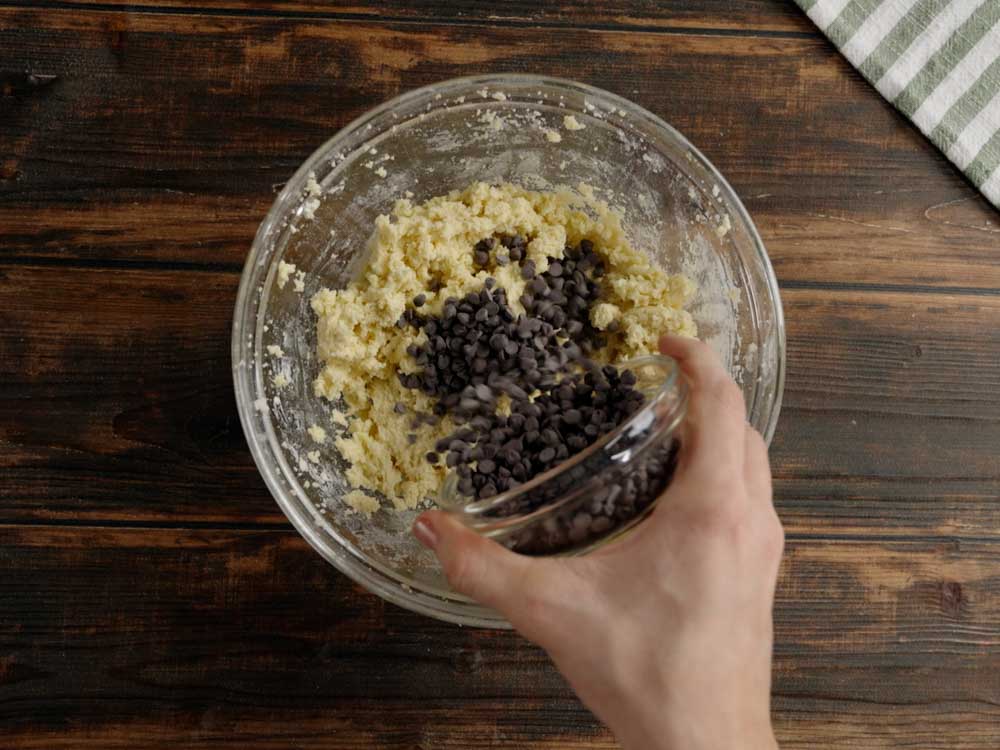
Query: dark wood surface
[[151, 593]]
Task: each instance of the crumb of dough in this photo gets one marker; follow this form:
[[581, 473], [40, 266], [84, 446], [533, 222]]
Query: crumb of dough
[[552, 136], [723, 228], [279, 380], [275, 350], [604, 314], [491, 118], [381, 172], [313, 190], [285, 271], [363, 351], [339, 417], [317, 433], [261, 405], [313, 456], [362, 502], [300, 281], [571, 123], [500, 96], [309, 208]]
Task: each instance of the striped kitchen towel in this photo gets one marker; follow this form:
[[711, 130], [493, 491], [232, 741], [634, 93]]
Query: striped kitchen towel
[[938, 62]]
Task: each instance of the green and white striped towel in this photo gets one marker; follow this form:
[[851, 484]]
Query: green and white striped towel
[[938, 62]]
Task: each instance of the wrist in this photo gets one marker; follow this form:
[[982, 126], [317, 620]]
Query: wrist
[[660, 728], [652, 738]]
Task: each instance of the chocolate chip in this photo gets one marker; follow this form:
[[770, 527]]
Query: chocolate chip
[[419, 300]]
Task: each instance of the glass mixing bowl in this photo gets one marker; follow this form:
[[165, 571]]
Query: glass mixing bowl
[[676, 207]]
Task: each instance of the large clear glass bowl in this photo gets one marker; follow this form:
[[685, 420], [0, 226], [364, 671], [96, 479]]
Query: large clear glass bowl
[[676, 207]]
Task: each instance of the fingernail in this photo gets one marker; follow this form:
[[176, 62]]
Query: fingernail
[[425, 533]]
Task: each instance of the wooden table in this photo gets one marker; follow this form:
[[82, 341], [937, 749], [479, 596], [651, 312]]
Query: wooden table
[[152, 594]]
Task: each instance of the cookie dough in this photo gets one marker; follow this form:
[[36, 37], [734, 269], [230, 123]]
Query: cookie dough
[[427, 249]]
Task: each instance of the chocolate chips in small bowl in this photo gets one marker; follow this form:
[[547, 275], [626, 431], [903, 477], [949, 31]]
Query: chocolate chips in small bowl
[[576, 499]]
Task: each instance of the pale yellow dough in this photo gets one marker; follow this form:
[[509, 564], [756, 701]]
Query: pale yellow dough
[[432, 242], [361, 502]]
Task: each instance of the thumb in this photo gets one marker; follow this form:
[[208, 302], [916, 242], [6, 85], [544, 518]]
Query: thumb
[[474, 565]]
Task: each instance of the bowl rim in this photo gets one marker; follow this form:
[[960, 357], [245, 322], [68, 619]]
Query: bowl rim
[[376, 577]]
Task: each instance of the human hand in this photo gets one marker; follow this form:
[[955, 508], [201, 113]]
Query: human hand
[[665, 635]]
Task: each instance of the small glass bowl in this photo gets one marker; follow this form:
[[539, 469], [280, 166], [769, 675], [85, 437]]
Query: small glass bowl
[[600, 492]]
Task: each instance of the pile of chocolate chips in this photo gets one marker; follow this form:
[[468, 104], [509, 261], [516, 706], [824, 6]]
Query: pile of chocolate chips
[[607, 496], [476, 338], [561, 402], [499, 452]]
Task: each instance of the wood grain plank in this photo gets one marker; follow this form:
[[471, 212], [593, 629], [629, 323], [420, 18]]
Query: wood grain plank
[[414, 724], [129, 192], [215, 638], [123, 410], [748, 16], [163, 139]]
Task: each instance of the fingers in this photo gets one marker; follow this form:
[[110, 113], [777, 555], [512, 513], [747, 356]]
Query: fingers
[[715, 438], [696, 359], [474, 565]]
